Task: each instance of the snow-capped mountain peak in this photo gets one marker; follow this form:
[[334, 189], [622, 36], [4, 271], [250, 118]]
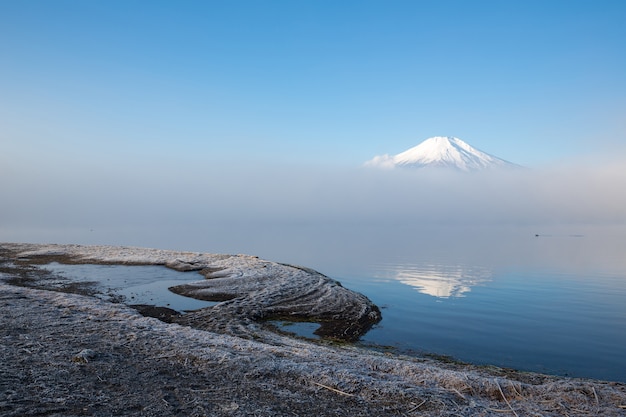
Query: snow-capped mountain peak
[[441, 151]]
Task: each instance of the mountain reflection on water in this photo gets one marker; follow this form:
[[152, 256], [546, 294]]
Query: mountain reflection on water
[[441, 281]]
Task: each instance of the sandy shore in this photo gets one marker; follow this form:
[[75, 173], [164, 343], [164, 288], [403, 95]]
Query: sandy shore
[[69, 354]]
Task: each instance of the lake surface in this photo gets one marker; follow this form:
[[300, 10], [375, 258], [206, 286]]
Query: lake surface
[[501, 295], [541, 320], [556, 304], [553, 303]]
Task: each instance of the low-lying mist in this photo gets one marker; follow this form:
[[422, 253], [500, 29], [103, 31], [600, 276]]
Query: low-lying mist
[[298, 214]]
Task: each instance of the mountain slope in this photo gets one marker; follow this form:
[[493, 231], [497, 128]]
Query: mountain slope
[[443, 152]]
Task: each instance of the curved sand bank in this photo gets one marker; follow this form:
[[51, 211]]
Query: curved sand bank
[[67, 354]]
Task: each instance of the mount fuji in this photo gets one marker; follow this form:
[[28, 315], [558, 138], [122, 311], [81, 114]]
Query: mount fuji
[[442, 152]]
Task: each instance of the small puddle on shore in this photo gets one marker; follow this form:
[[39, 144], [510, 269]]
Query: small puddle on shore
[[137, 284]]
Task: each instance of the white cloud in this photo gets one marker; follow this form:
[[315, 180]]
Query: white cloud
[[381, 161]]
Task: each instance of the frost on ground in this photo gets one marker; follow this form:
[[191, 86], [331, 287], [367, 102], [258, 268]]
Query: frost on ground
[[250, 290], [68, 354]]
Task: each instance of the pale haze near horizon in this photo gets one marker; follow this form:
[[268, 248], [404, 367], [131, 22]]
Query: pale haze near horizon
[[242, 127], [312, 217]]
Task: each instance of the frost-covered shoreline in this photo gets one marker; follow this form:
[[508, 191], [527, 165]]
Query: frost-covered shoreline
[[250, 290], [175, 369]]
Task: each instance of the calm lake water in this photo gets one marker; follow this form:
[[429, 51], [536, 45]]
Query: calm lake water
[[553, 303]]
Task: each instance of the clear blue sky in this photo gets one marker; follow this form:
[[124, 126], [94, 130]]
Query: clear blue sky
[[330, 82]]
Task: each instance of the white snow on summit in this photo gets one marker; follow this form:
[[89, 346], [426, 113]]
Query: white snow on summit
[[441, 151]]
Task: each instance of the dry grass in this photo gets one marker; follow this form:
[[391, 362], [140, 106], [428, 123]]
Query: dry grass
[[66, 354]]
